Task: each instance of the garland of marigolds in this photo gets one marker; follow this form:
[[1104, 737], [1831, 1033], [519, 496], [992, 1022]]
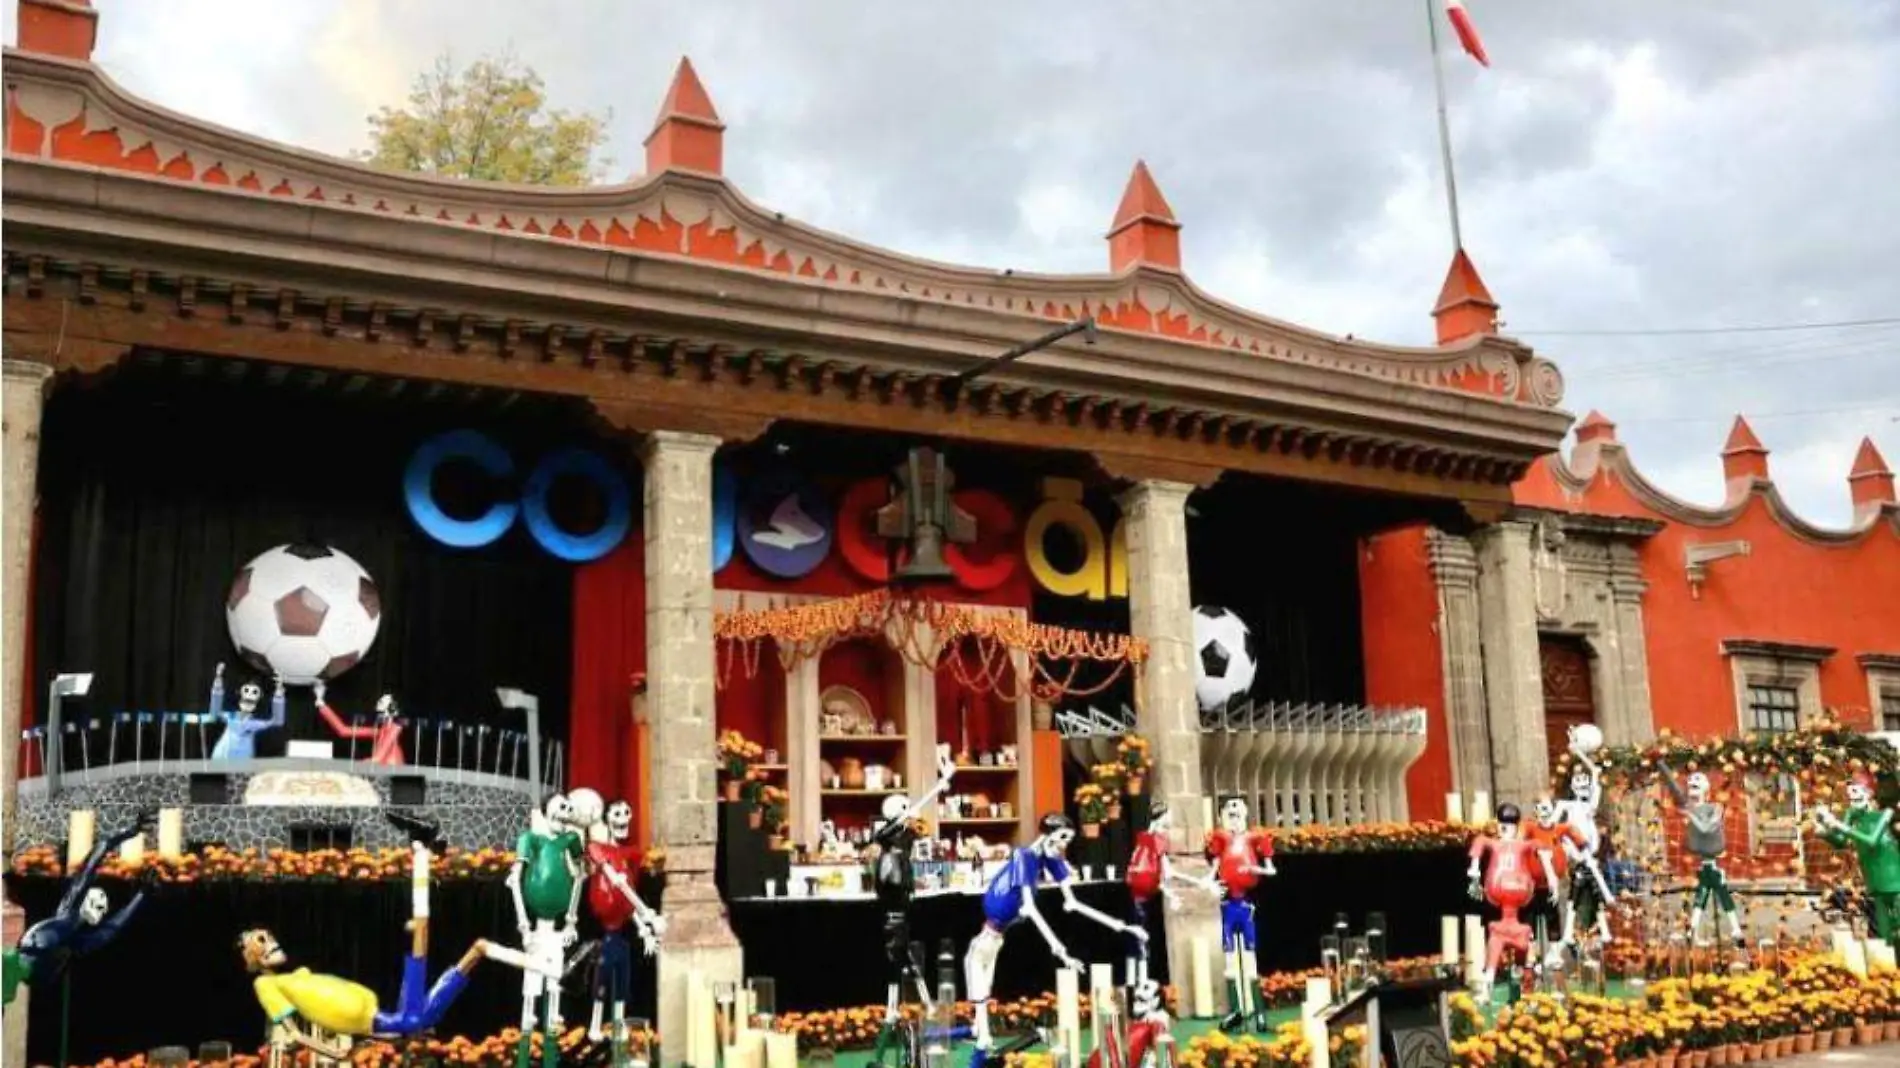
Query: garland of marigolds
[[934, 635], [1822, 756]]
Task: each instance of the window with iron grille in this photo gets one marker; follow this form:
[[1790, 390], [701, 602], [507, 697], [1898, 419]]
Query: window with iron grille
[[1890, 710], [1774, 708]]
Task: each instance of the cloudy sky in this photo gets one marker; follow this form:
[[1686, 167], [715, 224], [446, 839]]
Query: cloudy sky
[[1624, 164]]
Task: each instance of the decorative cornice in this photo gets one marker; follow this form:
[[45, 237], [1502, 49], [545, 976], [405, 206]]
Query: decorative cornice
[[70, 115], [1592, 460], [1884, 661], [661, 379], [1773, 650], [1453, 561]]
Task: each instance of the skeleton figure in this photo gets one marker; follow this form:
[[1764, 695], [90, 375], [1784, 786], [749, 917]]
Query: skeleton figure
[[896, 883], [1010, 898], [546, 884], [1150, 1041], [1241, 857], [1708, 840], [1148, 873], [241, 728], [1508, 883], [612, 860], [1870, 829], [385, 733], [1590, 895], [77, 927]]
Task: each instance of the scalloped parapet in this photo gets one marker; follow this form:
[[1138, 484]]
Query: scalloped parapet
[[70, 113]]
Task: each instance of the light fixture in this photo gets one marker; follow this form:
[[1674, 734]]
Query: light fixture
[[530, 707], [69, 684]]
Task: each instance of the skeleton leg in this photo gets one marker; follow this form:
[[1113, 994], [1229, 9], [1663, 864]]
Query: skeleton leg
[[979, 974]]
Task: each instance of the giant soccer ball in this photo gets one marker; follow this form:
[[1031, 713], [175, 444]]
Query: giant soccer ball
[[305, 612], [1224, 657]]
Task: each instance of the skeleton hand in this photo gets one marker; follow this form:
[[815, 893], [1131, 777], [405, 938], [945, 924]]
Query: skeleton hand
[[316, 688], [1268, 869], [571, 933], [277, 680], [946, 764], [1140, 935], [656, 923], [1063, 958], [219, 673]]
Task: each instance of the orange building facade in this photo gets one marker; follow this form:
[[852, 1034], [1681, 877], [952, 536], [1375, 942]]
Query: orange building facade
[[1603, 599]]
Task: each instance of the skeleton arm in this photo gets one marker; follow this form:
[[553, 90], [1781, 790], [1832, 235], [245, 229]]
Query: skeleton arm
[[1071, 904], [216, 705], [277, 708], [1706, 818], [1550, 870], [1596, 774], [523, 848], [1871, 837], [108, 929], [1048, 934], [288, 1028], [1675, 789]]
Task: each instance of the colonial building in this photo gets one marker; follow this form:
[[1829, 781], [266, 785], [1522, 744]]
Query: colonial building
[[157, 265], [1603, 599]]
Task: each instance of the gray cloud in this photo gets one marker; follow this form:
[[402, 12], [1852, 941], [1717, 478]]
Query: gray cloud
[[1623, 164]]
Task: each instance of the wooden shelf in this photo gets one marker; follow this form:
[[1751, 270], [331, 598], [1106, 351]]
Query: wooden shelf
[[986, 769], [992, 820], [867, 739], [842, 792], [773, 767]]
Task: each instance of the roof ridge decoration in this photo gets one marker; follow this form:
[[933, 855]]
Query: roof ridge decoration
[[1601, 458], [70, 113]]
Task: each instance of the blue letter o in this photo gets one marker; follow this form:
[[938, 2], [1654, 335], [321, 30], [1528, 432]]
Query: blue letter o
[[471, 445]]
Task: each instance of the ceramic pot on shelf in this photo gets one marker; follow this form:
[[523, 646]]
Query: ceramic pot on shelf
[[851, 773]]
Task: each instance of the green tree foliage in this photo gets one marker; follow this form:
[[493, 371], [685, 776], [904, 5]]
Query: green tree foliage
[[489, 121]]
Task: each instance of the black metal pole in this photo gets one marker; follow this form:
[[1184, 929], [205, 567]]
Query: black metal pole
[[1085, 325]]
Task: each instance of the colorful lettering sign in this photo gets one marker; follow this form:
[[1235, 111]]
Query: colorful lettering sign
[[473, 446], [1103, 571]]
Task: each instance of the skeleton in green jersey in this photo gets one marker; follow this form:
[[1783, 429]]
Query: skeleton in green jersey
[[1870, 829], [546, 882]]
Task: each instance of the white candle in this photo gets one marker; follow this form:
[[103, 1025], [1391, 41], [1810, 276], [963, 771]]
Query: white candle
[[1481, 806], [701, 1042], [1448, 940], [781, 1049], [1853, 954], [133, 851], [1069, 1009], [1207, 814], [1454, 807], [80, 826], [171, 833], [1203, 968], [750, 1050], [1319, 995], [1474, 948]]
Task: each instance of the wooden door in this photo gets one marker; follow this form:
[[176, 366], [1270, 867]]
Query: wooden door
[[1569, 699]]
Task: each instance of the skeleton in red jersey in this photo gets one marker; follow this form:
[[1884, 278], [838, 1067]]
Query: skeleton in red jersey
[[1508, 883], [1241, 855], [1149, 871]]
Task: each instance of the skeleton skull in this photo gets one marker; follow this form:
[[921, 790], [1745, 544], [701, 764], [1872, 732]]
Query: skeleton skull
[[893, 807], [249, 695], [386, 707], [584, 808], [1546, 811], [1860, 794], [1147, 1000], [92, 908], [260, 950], [619, 820], [1057, 833], [559, 812], [1698, 787], [1233, 814], [1583, 787]]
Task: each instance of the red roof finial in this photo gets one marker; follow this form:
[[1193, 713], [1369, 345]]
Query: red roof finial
[[1744, 456], [1465, 307], [1595, 427], [64, 28], [1871, 481], [688, 134], [1145, 232]]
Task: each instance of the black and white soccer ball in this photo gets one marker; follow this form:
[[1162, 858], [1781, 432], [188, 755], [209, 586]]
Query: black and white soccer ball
[[306, 612], [1224, 657]]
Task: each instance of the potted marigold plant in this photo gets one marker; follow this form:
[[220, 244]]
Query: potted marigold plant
[[1136, 760], [736, 757], [1110, 778], [772, 810], [1091, 804]]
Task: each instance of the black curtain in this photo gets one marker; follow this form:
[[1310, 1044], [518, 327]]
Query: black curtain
[[155, 489]]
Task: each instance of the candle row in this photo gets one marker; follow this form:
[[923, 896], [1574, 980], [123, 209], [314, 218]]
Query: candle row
[[1480, 807], [82, 830]]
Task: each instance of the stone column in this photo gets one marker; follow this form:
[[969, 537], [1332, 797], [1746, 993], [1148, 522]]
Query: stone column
[[1161, 610], [1637, 724], [23, 392], [680, 692], [1461, 649], [1513, 671]]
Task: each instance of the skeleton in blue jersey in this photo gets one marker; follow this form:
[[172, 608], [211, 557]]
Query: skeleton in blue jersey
[[1011, 897], [241, 728]]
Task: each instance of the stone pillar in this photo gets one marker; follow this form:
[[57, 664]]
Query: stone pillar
[[1461, 649], [680, 692], [1161, 610], [1513, 670], [23, 392], [1637, 724]]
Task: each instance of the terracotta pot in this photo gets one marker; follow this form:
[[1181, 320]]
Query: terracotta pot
[[1666, 1060], [1823, 1040], [755, 818], [1114, 810], [1866, 1034], [1136, 784], [1734, 1052], [1091, 830], [1751, 1051], [732, 789], [1718, 1057], [1804, 1042], [1891, 1032], [1695, 1059], [1843, 1036], [851, 773], [781, 843]]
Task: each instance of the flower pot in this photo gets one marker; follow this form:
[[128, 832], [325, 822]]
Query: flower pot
[[1823, 1040], [1718, 1057], [851, 773], [1091, 830], [1694, 1059], [1891, 1032], [754, 818], [732, 789], [1136, 784], [1751, 1051], [1785, 1046], [1866, 1034], [1804, 1042], [1666, 1060], [1843, 1036], [781, 843], [1114, 810]]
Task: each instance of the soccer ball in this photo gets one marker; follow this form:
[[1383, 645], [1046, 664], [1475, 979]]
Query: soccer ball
[[1586, 738], [306, 612], [1224, 654]]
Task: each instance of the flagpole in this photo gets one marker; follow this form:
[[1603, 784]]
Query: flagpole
[[1444, 127]]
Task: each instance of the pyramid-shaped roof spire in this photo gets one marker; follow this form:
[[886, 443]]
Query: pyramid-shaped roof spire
[[1145, 232], [1465, 306], [688, 134], [1743, 455]]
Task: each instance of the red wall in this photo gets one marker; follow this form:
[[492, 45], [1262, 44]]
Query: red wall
[[1399, 622]]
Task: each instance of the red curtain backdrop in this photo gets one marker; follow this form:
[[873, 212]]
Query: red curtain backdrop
[[992, 719], [752, 703], [610, 647]]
